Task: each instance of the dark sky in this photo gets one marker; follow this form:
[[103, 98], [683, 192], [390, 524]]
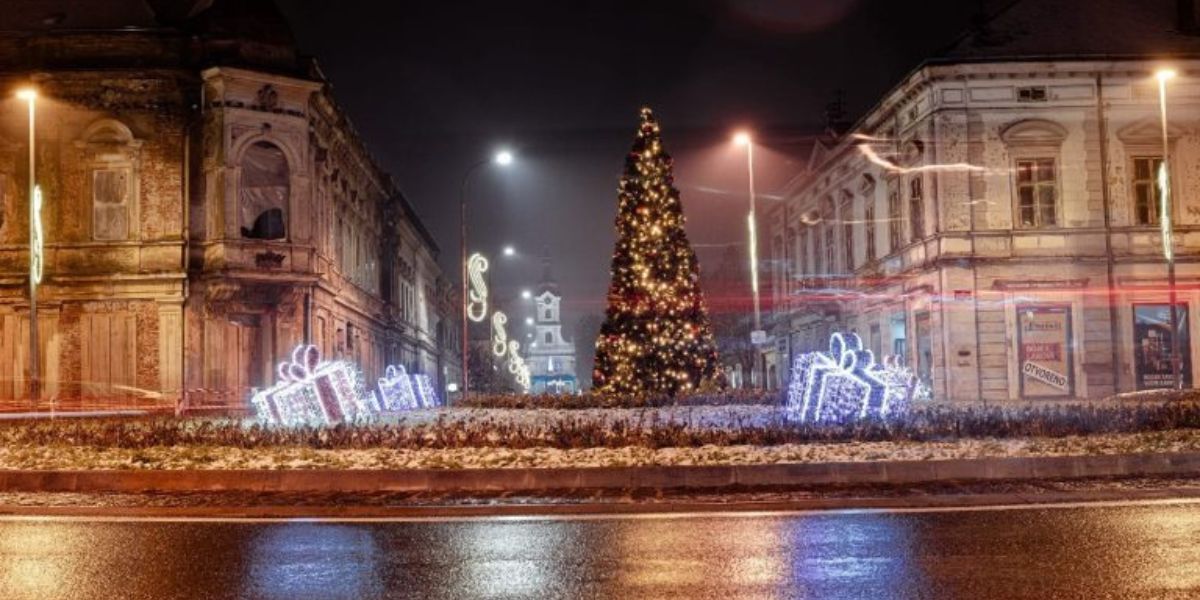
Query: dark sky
[[434, 86]]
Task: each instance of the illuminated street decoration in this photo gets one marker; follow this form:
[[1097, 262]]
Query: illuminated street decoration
[[313, 392], [37, 244], [396, 390], [517, 367], [477, 306], [845, 384], [499, 336], [426, 395]]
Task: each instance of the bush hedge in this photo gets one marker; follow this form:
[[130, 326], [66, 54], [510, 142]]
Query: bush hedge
[[590, 400], [651, 428]]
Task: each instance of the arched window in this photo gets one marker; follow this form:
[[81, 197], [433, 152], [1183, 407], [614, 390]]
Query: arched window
[[110, 152], [264, 192]]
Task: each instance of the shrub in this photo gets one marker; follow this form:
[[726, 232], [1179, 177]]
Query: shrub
[[652, 428], [590, 400]]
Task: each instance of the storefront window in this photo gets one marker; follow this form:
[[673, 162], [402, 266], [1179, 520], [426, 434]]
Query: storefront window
[[1044, 351], [1152, 346]]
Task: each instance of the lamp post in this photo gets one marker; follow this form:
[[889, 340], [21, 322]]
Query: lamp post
[[29, 95], [1164, 184], [743, 139], [502, 158]]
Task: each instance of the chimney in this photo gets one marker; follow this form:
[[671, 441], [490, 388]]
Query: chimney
[[1185, 16]]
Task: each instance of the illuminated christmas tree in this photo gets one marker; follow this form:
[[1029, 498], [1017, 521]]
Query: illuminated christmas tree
[[656, 336]]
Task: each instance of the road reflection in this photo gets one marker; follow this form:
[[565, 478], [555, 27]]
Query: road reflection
[[1120, 552]]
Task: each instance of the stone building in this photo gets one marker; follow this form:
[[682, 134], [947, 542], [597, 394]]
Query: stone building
[[208, 206], [994, 218]]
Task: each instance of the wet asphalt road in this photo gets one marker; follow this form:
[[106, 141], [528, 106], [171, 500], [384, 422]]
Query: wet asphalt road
[[1141, 551]]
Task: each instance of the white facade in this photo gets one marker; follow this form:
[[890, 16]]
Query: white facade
[[996, 224], [551, 357]]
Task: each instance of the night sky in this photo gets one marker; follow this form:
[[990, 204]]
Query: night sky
[[435, 86]]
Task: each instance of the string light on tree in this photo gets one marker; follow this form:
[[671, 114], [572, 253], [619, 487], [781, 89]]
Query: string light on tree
[[656, 336]]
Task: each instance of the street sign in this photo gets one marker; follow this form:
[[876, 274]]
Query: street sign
[[758, 337]]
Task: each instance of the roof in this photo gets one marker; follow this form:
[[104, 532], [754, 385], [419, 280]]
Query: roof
[[1031, 29]]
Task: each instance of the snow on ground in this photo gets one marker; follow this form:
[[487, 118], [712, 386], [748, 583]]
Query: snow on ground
[[215, 457]]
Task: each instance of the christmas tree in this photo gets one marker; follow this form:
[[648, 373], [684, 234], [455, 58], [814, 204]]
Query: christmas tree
[[656, 336]]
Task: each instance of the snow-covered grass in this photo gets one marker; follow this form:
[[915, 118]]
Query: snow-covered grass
[[225, 457]]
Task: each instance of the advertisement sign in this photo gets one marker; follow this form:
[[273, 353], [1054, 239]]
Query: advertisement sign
[[1044, 351], [1152, 346]]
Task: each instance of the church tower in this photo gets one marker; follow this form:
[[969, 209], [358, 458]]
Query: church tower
[[551, 358]]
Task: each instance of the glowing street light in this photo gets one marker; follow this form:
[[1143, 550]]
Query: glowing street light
[[526, 294], [529, 320], [502, 158], [509, 251], [1164, 186], [742, 138], [29, 95]]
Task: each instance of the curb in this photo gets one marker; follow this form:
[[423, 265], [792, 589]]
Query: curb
[[918, 503], [625, 478]]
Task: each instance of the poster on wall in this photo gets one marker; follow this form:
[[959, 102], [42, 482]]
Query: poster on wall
[[1044, 357], [1152, 346]]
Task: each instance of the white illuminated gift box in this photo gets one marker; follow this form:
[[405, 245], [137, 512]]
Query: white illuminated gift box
[[400, 391], [314, 392], [396, 391], [846, 384], [426, 393]]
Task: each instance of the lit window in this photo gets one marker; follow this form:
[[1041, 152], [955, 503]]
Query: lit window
[[1147, 196]]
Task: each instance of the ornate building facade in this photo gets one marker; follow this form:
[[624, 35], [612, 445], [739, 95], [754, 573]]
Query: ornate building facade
[[995, 219], [551, 356], [208, 207]]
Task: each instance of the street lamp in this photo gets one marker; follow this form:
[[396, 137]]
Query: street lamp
[[526, 294], [1164, 185], [509, 251], [502, 158], [742, 138], [29, 95], [529, 321]]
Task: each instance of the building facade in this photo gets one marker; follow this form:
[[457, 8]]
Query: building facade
[[996, 222], [551, 356], [208, 207]]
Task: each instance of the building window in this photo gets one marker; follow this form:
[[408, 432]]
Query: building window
[[894, 217], [848, 244], [869, 228], [549, 338], [1037, 193], [111, 192], [801, 256], [916, 207], [1147, 195], [265, 186], [829, 244]]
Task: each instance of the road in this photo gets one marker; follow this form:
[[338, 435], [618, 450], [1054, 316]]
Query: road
[[1146, 550]]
